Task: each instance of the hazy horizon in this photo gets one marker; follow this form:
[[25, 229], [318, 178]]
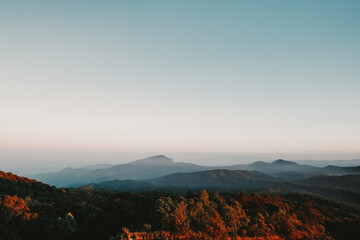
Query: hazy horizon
[[256, 80], [30, 162]]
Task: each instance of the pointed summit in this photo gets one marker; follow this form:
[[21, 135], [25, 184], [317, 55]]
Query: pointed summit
[[155, 160]]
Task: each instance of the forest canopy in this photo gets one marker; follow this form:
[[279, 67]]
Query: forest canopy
[[33, 210]]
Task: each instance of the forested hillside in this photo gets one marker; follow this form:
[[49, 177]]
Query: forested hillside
[[33, 210]]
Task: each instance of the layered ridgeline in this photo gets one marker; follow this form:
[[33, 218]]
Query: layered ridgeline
[[159, 166], [213, 180], [340, 188], [34, 210], [147, 168], [162, 173]]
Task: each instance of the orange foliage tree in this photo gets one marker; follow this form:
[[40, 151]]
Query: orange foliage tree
[[13, 207]]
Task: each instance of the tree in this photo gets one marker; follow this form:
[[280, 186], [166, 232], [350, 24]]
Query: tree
[[165, 207], [67, 224], [181, 220], [13, 207]]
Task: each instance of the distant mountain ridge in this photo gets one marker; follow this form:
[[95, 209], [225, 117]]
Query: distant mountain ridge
[[156, 160], [341, 188], [162, 173], [210, 179], [276, 166], [324, 163], [151, 167], [218, 178], [160, 165]]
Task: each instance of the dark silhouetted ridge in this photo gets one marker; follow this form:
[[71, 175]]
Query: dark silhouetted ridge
[[284, 162], [218, 178]]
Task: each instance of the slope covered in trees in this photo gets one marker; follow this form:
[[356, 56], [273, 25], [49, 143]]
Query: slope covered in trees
[[33, 210]]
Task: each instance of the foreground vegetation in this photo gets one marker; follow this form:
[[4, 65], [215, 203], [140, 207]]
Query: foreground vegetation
[[33, 210]]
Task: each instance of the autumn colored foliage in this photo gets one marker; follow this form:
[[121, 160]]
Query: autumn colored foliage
[[239, 217], [33, 210], [14, 211], [14, 177]]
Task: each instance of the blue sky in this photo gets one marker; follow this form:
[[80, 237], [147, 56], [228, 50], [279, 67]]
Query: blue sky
[[180, 76]]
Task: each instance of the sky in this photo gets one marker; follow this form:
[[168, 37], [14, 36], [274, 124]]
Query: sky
[[180, 76]]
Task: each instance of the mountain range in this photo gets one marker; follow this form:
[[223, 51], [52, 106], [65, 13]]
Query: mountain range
[[147, 168], [162, 172]]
